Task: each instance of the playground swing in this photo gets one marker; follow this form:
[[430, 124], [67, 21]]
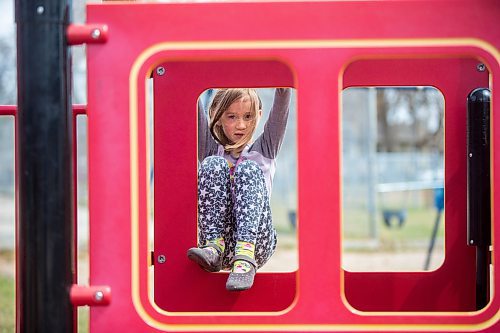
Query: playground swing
[[407, 167], [396, 216]]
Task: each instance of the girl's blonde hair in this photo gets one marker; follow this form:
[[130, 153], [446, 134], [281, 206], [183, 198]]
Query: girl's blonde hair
[[221, 103]]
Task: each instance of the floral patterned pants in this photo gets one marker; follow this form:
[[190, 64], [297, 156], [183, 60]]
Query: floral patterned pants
[[235, 206]]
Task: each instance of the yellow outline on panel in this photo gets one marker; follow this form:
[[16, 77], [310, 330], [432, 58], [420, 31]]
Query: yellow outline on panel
[[134, 182]]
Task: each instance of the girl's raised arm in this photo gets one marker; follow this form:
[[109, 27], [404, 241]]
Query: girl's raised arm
[[269, 143]]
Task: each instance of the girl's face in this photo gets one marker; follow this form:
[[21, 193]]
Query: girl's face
[[239, 119]]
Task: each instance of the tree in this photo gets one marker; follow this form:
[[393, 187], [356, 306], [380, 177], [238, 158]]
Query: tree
[[410, 118]]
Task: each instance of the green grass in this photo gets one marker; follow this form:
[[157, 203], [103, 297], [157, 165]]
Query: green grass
[[7, 304], [416, 230], [83, 319]]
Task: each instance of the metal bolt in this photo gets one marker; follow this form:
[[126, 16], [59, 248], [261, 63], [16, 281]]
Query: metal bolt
[[470, 154], [40, 10], [161, 259], [472, 241], [481, 67], [96, 33], [98, 296], [160, 70]]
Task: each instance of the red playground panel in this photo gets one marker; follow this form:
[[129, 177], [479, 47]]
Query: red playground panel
[[318, 48], [449, 287], [176, 91]]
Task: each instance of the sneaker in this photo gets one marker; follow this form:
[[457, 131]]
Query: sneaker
[[206, 258]]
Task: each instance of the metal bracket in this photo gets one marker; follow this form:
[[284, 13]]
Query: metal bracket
[[77, 34], [90, 295]]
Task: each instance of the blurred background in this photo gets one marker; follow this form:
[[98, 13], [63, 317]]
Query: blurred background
[[392, 176]]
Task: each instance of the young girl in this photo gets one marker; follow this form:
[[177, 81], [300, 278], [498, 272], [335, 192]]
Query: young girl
[[235, 229]]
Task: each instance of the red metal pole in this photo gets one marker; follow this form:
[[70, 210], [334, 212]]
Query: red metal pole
[[8, 110], [11, 110]]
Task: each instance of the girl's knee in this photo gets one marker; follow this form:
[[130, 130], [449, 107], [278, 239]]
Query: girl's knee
[[249, 173], [214, 163], [248, 167]]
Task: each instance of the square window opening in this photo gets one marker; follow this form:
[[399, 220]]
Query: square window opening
[[173, 170]]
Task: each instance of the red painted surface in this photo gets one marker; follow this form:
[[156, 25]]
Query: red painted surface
[[456, 33], [451, 287]]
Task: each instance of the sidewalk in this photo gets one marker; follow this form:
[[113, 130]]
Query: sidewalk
[[7, 222]]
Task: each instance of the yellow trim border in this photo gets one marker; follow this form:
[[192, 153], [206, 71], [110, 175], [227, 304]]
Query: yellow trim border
[[135, 79]]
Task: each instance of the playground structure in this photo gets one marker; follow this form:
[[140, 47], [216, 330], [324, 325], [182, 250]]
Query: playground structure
[[317, 48]]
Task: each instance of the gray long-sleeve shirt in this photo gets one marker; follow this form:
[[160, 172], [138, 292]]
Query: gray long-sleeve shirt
[[264, 150]]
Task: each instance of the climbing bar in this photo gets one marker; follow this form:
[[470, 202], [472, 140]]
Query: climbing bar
[[8, 110], [11, 110]]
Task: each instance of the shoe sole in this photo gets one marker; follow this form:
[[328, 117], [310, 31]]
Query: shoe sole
[[237, 289], [232, 285], [195, 256]]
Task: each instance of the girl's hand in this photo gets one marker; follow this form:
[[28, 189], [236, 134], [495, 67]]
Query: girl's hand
[[283, 91]]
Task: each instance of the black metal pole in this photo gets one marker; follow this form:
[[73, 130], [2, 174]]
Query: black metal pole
[[44, 168], [478, 188], [433, 240], [439, 204]]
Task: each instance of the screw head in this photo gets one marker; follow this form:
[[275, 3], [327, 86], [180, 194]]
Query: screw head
[[161, 259], [98, 296], [481, 67], [96, 33], [160, 70], [40, 10]]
